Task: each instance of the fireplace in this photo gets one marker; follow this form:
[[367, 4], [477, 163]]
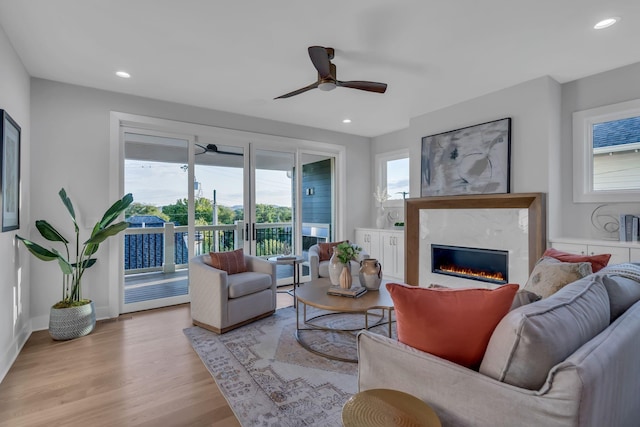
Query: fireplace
[[486, 265]]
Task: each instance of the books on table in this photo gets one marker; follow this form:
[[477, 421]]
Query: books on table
[[353, 292]]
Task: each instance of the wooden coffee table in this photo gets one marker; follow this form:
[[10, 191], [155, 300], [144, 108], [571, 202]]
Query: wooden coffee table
[[385, 407], [314, 294]]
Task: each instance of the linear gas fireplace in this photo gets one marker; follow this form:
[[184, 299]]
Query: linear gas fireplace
[[486, 265]]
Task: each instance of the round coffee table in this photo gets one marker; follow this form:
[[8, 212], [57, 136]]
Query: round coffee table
[[384, 407], [314, 294]]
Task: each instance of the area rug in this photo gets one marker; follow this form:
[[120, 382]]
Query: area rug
[[270, 380]]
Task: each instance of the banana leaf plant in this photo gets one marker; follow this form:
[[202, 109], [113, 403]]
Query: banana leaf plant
[[73, 268]]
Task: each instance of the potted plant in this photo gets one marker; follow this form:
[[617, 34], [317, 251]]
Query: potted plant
[[345, 252], [73, 316]]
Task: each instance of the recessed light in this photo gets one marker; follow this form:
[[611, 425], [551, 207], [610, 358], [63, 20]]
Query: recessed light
[[346, 121], [123, 74], [606, 23]]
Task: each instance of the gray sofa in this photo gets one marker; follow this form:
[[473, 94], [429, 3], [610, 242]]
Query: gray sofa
[[572, 359]]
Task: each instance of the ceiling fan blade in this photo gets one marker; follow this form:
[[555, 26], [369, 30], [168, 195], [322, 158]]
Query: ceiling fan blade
[[320, 59], [230, 153], [362, 85], [213, 148], [299, 91]]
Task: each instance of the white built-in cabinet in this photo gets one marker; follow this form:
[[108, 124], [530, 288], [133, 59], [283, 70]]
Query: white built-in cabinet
[[387, 246], [620, 251]]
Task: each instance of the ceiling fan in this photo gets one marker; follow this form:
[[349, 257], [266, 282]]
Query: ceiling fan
[[213, 148], [321, 58]]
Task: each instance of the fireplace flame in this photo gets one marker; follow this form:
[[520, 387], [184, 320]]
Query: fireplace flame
[[469, 272]]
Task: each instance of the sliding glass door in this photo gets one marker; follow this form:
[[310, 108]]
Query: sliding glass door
[[273, 209], [197, 194], [156, 242]]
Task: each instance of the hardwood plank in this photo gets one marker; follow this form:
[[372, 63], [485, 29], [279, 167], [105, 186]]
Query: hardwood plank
[[137, 370]]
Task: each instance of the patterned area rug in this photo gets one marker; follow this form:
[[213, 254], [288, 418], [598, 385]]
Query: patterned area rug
[[270, 380]]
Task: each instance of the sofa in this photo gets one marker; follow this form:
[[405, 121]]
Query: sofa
[[571, 359], [221, 302]]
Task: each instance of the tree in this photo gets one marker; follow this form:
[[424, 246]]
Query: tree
[[226, 215], [143, 209], [177, 212]]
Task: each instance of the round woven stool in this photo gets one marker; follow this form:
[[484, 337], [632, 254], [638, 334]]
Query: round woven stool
[[383, 407]]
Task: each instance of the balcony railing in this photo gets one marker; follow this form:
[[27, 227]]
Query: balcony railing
[[165, 249]]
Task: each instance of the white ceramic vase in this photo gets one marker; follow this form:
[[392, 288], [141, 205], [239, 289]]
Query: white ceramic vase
[[335, 268], [381, 219]]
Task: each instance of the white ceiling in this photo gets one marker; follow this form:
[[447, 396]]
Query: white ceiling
[[237, 56]]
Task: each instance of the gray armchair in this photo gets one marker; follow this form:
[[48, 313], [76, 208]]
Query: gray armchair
[[221, 302], [319, 268]]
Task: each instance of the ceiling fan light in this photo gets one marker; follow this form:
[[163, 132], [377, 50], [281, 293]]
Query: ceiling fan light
[[327, 86]]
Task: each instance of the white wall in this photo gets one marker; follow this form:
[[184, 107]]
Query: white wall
[[533, 107], [71, 150], [610, 87], [14, 265]]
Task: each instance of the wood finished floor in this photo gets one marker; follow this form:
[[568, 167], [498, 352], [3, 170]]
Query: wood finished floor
[[137, 370]]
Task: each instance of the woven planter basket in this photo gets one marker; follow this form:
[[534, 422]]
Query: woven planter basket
[[72, 322]]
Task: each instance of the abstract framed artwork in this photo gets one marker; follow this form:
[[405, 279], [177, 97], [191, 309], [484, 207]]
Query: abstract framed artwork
[[10, 173], [471, 160]]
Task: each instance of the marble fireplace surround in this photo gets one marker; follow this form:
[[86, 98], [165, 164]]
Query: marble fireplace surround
[[515, 222]]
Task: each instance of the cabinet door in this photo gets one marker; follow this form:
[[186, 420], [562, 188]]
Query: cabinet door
[[618, 255], [634, 255], [572, 248], [363, 240], [388, 258], [369, 241], [400, 255], [392, 254]]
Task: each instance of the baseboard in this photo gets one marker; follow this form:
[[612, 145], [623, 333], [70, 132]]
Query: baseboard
[[14, 350], [40, 323]]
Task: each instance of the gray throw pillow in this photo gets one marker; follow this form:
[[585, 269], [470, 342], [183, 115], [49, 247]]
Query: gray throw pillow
[[532, 339], [550, 275], [623, 293]]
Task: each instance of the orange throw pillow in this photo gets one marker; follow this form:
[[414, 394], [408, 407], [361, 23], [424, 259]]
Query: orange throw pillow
[[454, 324], [325, 250], [231, 262], [598, 262]]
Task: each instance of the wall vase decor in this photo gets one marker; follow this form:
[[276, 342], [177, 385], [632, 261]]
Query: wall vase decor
[[471, 160]]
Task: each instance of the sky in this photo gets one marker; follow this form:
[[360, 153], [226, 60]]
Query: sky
[[161, 184]]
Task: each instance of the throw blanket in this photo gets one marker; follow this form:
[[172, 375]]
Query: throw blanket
[[627, 270]]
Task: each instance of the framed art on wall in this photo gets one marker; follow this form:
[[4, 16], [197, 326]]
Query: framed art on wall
[[471, 160], [10, 173]]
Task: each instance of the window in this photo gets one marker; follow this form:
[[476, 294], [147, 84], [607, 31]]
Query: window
[[606, 153], [393, 175]]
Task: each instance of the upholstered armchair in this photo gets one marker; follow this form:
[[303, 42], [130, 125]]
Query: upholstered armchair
[[221, 301], [319, 255]]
